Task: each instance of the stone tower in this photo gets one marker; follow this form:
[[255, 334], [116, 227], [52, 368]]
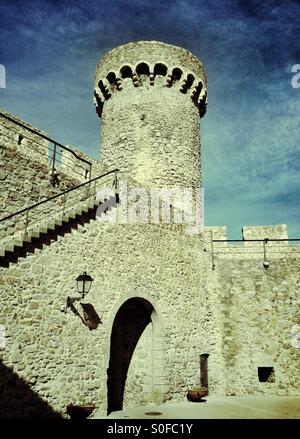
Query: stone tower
[[150, 96]]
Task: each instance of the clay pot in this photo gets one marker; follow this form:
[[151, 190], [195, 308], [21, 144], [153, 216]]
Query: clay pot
[[196, 394], [80, 411]]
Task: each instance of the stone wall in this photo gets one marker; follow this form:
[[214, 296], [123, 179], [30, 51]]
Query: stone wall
[[18, 138], [25, 173], [140, 373], [25, 182], [258, 308], [65, 362], [28, 145], [239, 313], [70, 166]]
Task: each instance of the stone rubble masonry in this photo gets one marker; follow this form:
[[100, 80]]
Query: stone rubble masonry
[[24, 172], [240, 313], [26, 169], [35, 148], [208, 297], [148, 117], [263, 232]]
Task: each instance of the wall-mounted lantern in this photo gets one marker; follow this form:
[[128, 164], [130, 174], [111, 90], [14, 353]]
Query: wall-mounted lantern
[[84, 283], [90, 317]]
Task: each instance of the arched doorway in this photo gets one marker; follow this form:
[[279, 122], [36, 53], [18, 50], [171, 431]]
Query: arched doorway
[[129, 324]]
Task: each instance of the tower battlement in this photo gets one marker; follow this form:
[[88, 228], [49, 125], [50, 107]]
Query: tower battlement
[[150, 63], [150, 97]]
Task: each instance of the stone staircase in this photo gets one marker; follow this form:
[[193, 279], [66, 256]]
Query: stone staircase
[[47, 230]]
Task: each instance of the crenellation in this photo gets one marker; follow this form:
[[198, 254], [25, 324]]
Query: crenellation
[[215, 232], [145, 59], [158, 76], [266, 232]]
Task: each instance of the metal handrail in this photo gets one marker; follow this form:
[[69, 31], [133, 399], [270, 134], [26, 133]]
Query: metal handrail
[[70, 197], [51, 214], [58, 153], [47, 138], [256, 240], [57, 195]]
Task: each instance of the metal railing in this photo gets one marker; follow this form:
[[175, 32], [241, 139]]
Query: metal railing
[[59, 205], [257, 240], [53, 151], [264, 248]]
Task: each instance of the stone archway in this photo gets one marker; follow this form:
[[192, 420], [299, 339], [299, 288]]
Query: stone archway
[[135, 317]]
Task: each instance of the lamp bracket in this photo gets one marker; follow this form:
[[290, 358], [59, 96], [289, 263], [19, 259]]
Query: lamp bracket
[[70, 303]]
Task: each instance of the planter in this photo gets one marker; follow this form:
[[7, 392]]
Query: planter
[[196, 394], [80, 411]]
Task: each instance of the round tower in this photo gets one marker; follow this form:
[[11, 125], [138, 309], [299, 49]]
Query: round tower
[[150, 97]]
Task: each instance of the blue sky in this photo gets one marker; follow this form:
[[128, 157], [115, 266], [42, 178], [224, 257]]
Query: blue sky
[[250, 134]]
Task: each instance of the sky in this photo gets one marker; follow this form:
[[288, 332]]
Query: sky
[[250, 134]]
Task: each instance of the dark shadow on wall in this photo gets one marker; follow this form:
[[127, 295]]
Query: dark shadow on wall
[[19, 401], [130, 321]]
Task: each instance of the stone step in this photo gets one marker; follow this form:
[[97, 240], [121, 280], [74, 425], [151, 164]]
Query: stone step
[[46, 231]]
